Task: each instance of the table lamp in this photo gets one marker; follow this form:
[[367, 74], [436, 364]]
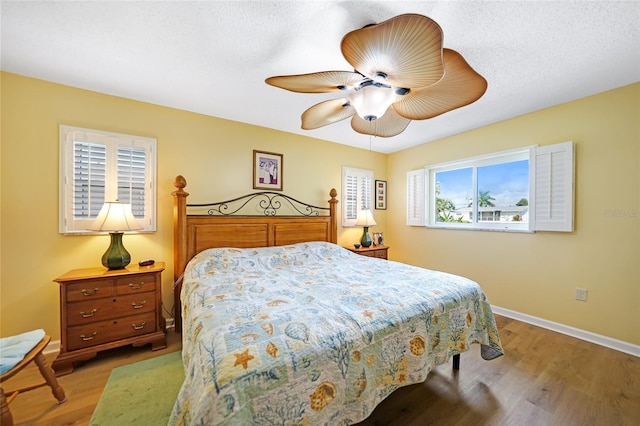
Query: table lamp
[[365, 219], [115, 217]]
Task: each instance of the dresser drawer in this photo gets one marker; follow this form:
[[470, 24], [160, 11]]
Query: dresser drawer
[[83, 336], [93, 289], [89, 311], [135, 284]]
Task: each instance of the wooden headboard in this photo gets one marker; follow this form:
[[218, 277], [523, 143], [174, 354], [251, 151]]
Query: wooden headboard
[[227, 224]]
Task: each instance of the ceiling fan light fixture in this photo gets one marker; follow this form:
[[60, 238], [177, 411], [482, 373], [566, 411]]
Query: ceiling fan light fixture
[[371, 101], [398, 75]]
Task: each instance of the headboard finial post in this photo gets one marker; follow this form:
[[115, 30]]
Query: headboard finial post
[[333, 204], [180, 182], [179, 242]]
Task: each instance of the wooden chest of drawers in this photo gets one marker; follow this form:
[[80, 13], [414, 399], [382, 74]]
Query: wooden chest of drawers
[[101, 309], [371, 251]]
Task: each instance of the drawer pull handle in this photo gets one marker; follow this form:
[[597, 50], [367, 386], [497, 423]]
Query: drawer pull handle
[[86, 293], [136, 287], [139, 327], [87, 338], [138, 306], [85, 315]]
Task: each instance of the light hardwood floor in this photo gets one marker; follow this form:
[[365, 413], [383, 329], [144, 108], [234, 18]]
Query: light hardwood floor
[[545, 378]]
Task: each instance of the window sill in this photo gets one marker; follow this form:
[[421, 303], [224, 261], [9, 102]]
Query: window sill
[[475, 228]]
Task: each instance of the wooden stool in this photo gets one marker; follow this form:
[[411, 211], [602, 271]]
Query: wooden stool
[[47, 372]]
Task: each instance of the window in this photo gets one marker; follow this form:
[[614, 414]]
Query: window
[[97, 166], [357, 188], [522, 190]]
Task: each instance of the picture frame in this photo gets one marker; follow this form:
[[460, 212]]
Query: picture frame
[[267, 170], [378, 240], [380, 194]]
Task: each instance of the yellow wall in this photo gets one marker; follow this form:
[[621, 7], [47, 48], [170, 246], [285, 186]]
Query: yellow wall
[[214, 155], [536, 274]]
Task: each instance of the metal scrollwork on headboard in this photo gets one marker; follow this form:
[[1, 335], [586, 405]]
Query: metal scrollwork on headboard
[[266, 202]]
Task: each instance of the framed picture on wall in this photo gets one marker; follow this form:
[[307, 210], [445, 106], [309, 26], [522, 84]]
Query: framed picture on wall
[[381, 195], [267, 170]]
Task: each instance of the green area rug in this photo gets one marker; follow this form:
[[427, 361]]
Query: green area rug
[[141, 393]]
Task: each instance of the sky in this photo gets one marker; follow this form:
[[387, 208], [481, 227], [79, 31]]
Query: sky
[[506, 182]]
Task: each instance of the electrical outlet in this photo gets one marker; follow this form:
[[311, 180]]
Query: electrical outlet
[[581, 294]]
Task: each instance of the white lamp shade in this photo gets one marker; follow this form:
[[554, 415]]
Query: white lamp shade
[[371, 102], [115, 216], [365, 218]]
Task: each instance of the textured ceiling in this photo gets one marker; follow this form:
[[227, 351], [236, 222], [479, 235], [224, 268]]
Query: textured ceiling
[[212, 57]]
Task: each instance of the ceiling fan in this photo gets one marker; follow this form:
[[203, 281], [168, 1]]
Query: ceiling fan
[[401, 73]]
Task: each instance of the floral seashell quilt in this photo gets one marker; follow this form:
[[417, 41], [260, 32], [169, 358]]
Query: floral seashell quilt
[[313, 334]]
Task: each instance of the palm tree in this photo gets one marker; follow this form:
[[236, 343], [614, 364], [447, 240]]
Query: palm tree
[[484, 199]]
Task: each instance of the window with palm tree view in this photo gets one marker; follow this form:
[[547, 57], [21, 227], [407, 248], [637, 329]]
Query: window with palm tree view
[[488, 192], [528, 189]]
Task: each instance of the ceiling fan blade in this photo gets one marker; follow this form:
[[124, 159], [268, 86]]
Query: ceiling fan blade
[[327, 112], [317, 82], [407, 48], [390, 124], [460, 86]]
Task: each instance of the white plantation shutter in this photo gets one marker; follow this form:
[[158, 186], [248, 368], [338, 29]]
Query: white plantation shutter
[[366, 187], [350, 192], [132, 182], [553, 187], [98, 166], [416, 197], [357, 188], [89, 176]]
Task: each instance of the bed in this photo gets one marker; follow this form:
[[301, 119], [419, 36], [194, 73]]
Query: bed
[[283, 326]]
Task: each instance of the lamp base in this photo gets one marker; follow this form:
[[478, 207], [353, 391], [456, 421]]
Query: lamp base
[[366, 239], [116, 256]]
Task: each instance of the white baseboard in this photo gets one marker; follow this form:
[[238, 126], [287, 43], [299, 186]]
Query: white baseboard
[[598, 339], [54, 345]]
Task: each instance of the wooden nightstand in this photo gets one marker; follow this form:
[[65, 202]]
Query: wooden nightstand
[[102, 309], [372, 251]]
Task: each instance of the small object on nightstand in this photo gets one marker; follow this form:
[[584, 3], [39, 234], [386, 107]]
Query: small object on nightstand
[[147, 262], [357, 246]]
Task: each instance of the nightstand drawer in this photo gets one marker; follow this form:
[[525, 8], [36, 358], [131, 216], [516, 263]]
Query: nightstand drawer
[[135, 284], [379, 252], [113, 307], [367, 253], [83, 336], [93, 289]]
